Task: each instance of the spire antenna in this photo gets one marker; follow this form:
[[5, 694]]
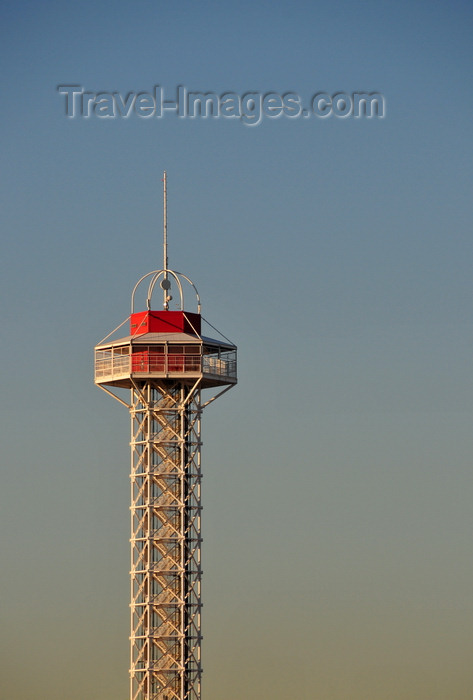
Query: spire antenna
[[165, 221], [165, 284]]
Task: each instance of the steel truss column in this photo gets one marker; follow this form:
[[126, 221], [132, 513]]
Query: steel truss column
[[165, 541]]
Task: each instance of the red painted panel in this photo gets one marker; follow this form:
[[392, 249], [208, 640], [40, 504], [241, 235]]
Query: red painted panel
[[151, 360], [140, 361], [164, 322]]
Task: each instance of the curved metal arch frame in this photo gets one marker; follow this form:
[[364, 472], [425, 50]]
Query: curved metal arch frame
[[156, 276]]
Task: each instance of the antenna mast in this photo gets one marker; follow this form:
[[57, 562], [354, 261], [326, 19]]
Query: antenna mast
[[165, 284]]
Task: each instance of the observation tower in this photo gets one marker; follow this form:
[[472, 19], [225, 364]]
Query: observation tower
[[165, 372]]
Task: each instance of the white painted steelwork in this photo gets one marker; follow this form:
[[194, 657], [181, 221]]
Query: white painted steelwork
[[165, 542]]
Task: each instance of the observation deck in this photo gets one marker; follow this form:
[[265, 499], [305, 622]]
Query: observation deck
[[165, 345]]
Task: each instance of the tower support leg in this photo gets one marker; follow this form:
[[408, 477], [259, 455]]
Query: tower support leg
[[165, 541]]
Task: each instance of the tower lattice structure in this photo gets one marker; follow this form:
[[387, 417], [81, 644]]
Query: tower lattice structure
[[170, 372]]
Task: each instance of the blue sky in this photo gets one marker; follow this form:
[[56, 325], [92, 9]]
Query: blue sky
[[336, 253]]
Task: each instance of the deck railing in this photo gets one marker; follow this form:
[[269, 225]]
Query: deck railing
[[112, 365]]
